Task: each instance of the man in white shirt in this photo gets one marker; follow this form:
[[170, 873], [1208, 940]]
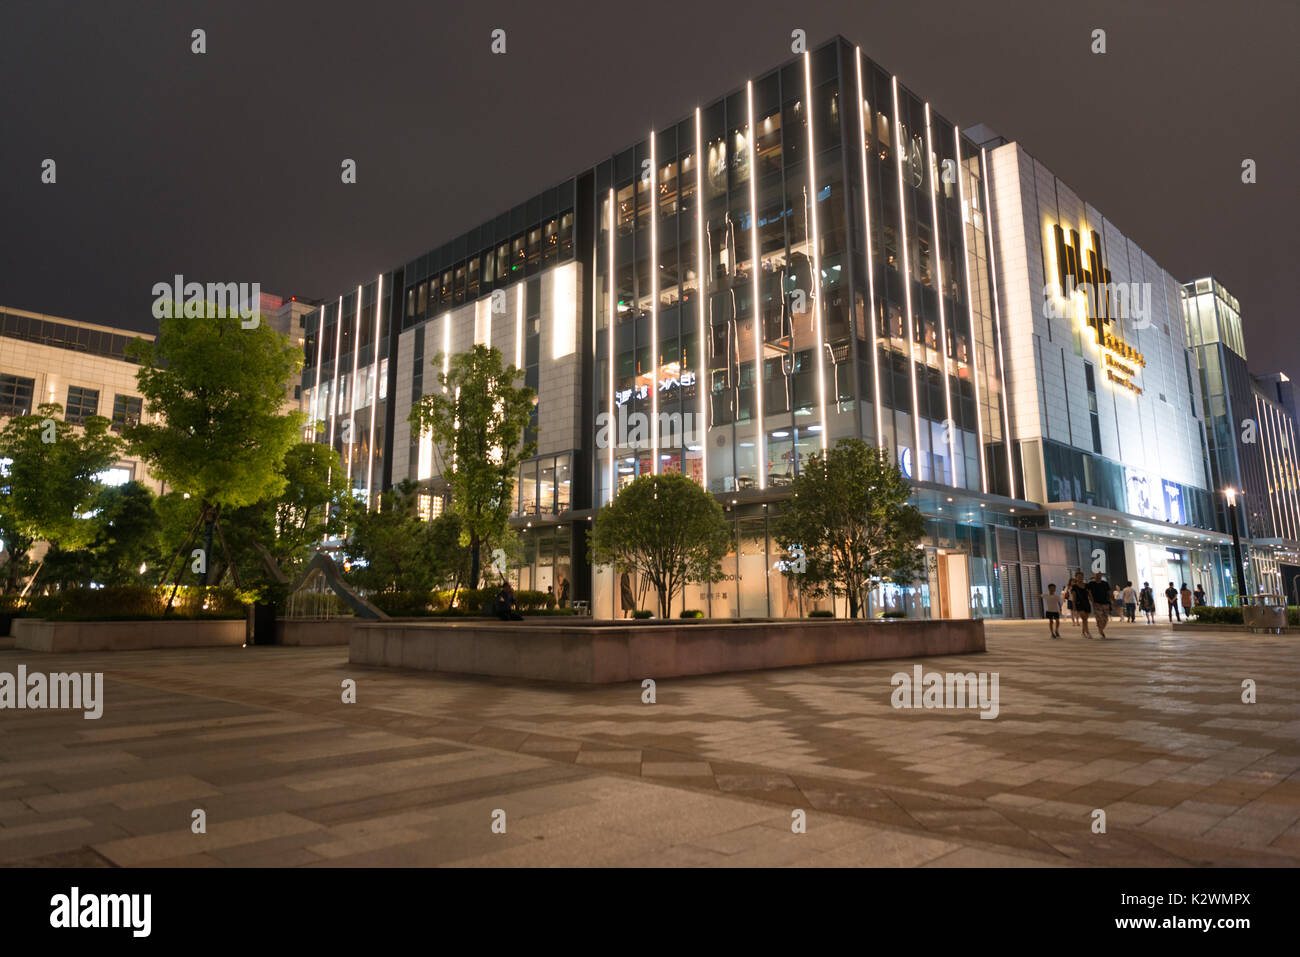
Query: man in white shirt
[[1128, 597]]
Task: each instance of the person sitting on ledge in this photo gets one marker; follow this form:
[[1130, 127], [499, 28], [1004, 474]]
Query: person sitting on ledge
[[505, 603]]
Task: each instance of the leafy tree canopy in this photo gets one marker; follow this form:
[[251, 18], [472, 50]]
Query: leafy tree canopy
[[477, 420], [219, 388], [50, 485], [849, 514], [665, 528]]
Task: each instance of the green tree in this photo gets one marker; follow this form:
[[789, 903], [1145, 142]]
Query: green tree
[[477, 421], [849, 514], [666, 529], [393, 550], [127, 534], [219, 388], [49, 487], [312, 506]]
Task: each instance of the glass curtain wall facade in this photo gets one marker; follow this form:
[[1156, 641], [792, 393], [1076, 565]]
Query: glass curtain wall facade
[[804, 260], [345, 381], [746, 322]]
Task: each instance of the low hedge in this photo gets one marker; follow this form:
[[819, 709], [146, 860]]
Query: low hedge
[[1214, 615], [469, 601], [691, 613], [821, 613], [136, 603]]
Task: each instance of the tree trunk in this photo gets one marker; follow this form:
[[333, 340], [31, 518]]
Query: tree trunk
[[209, 521], [852, 596], [474, 566]]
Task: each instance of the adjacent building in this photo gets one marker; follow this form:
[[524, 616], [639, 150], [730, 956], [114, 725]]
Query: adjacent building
[[1250, 427], [82, 366]]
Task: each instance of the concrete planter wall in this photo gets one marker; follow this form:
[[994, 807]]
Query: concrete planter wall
[[600, 653], [37, 634], [313, 631]]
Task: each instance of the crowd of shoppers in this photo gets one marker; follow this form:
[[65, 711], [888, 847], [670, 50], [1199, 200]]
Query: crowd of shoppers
[[1100, 601]]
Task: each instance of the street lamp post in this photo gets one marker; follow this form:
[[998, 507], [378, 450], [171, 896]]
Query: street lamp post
[[1231, 495]]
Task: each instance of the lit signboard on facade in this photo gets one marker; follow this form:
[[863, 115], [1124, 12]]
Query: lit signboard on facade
[[1082, 271]]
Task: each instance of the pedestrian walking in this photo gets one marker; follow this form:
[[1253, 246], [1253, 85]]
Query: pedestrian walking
[[1185, 595], [1082, 602], [1068, 592], [1102, 596], [1171, 596], [1128, 598], [1052, 610], [1147, 602]]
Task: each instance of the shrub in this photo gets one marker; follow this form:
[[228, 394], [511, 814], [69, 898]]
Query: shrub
[[534, 600], [894, 614], [401, 604], [821, 613], [1217, 616], [691, 613], [643, 613], [137, 602]]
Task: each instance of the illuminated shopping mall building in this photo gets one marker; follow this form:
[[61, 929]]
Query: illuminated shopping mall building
[[808, 258]]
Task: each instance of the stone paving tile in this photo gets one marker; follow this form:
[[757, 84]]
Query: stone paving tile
[[1149, 729]]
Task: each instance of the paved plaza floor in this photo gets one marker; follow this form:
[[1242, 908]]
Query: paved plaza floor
[[1149, 727]]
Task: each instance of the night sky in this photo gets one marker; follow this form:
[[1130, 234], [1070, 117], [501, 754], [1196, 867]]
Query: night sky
[[226, 166]]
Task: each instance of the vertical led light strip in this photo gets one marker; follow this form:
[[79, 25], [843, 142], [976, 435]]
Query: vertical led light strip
[[864, 118], [519, 325], [1262, 433], [997, 321], [1291, 465], [760, 444], [374, 392], [654, 308], [899, 147], [334, 385], [950, 425], [446, 344], [1284, 470], [1283, 521], [975, 341], [320, 344], [817, 255], [613, 318], [352, 388], [702, 375]]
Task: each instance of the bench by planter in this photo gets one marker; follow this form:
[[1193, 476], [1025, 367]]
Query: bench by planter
[[38, 634], [601, 653], [313, 631]]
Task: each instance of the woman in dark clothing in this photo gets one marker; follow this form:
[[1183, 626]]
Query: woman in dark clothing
[[1082, 601]]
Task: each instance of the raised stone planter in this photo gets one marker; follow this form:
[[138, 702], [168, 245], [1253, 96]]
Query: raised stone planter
[[37, 634], [313, 631], [606, 652]]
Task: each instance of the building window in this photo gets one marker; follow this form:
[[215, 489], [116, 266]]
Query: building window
[[127, 410], [16, 395], [1090, 378], [81, 404]]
